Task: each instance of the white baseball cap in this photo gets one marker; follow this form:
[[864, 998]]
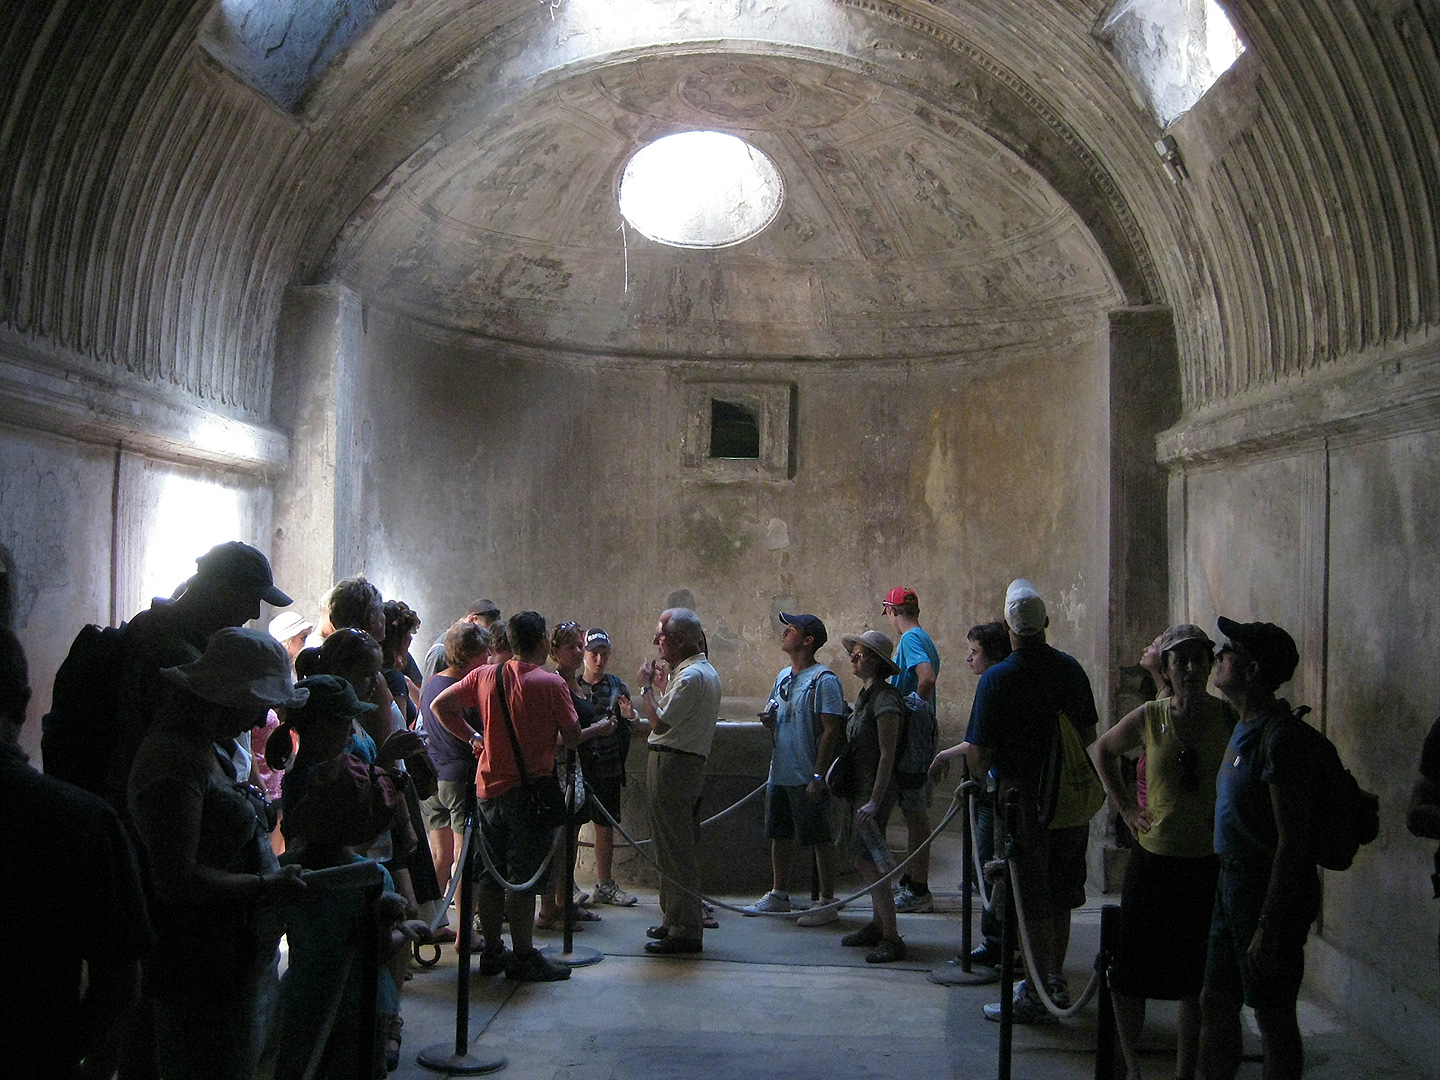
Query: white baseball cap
[[1024, 609], [289, 623]]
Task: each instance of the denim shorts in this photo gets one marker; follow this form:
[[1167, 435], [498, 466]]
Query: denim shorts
[[1239, 897]]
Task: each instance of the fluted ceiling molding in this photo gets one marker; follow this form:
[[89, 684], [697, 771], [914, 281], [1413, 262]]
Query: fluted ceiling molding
[[153, 208]]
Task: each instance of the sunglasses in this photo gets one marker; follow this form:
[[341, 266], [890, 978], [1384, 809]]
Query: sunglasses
[[784, 688]]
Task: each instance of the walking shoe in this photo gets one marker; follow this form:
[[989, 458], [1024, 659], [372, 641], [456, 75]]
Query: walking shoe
[[1027, 1007], [671, 945], [607, 892], [1059, 990], [820, 915], [770, 902], [533, 967], [581, 897], [887, 952], [909, 902], [868, 936], [493, 962]]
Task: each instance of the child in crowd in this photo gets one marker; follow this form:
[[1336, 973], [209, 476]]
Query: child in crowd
[[335, 804]]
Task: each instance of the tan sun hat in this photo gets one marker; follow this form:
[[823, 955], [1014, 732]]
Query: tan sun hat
[[879, 643], [241, 668]]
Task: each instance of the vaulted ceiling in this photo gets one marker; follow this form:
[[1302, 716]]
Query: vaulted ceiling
[[961, 174]]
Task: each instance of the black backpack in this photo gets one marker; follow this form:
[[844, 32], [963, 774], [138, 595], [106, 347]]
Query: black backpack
[[78, 734], [1345, 816]]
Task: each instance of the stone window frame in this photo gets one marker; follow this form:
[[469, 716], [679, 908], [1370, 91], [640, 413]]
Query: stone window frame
[[774, 406]]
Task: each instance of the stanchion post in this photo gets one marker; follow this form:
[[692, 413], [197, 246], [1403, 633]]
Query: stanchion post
[[569, 875], [960, 971], [1105, 1035], [967, 876], [1007, 938], [441, 1057], [571, 956]]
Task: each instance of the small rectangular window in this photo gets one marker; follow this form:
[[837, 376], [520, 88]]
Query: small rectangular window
[[734, 430], [1173, 50]]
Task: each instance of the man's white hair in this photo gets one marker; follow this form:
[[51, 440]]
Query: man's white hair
[[684, 625]]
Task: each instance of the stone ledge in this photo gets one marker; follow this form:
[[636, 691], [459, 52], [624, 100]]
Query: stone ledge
[[1372, 1001], [1380, 397], [41, 393]]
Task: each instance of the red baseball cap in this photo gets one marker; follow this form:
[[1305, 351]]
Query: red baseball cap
[[900, 595]]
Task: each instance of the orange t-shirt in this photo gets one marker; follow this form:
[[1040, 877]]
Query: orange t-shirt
[[540, 706]]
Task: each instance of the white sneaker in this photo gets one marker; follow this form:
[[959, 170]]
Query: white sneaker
[[770, 902], [820, 914], [607, 892]]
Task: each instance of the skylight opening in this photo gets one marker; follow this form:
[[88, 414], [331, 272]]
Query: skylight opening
[[1173, 50], [700, 189]]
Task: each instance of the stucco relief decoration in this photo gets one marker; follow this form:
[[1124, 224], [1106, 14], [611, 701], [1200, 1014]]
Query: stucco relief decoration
[[747, 93]]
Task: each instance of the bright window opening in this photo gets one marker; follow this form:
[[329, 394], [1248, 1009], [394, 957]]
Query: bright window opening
[[191, 516], [700, 189], [1173, 50]]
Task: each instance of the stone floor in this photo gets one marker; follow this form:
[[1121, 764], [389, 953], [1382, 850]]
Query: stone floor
[[770, 999]]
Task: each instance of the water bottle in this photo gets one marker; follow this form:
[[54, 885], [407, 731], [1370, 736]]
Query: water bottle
[[870, 835]]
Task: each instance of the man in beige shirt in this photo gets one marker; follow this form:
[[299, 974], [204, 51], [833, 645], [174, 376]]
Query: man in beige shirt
[[680, 697]]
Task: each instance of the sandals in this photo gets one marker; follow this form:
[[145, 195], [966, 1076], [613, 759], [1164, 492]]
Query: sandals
[[392, 1026], [556, 922]]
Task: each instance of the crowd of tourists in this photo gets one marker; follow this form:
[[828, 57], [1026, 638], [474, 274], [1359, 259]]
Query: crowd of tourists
[[239, 779]]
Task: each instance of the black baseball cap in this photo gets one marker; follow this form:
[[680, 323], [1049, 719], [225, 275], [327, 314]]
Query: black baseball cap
[[596, 639], [242, 567], [1268, 645], [808, 625]]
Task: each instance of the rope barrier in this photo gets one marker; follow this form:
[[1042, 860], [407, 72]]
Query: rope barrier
[[637, 844], [982, 885], [488, 858], [1037, 983], [836, 904], [441, 916]]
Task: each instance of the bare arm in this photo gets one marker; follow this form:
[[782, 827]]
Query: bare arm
[[1291, 865], [925, 679], [168, 822], [831, 732], [1424, 816], [1125, 737]]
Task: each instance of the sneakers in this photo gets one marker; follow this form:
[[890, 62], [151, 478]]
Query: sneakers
[[607, 892], [887, 952], [581, 897], [772, 901], [820, 915], [868, 936], [1027, 1006], [909, 902], [1059, 991], [533, 967]]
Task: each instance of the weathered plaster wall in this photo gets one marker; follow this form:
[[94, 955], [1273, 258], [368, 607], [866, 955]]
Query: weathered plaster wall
[[55, 529], [89, 533], [560, 486], [1332, 541]]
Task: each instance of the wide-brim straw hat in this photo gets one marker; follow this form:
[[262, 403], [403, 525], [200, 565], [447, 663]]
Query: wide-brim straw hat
[[241, 668], [879, 643]]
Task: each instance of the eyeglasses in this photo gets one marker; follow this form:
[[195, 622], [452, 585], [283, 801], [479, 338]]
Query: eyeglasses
[[567, 626]]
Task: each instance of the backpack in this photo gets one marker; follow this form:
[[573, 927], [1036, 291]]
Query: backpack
[[1345, 816], [77, 740], [915, 748]]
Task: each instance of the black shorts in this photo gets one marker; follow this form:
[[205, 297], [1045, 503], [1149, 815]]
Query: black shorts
[[1165, 914], [606, 789], [515, 844], [1049, 863]]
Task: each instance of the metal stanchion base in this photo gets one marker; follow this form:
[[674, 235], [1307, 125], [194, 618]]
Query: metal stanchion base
[[442, 1058], [578, 956], [953, 973]]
